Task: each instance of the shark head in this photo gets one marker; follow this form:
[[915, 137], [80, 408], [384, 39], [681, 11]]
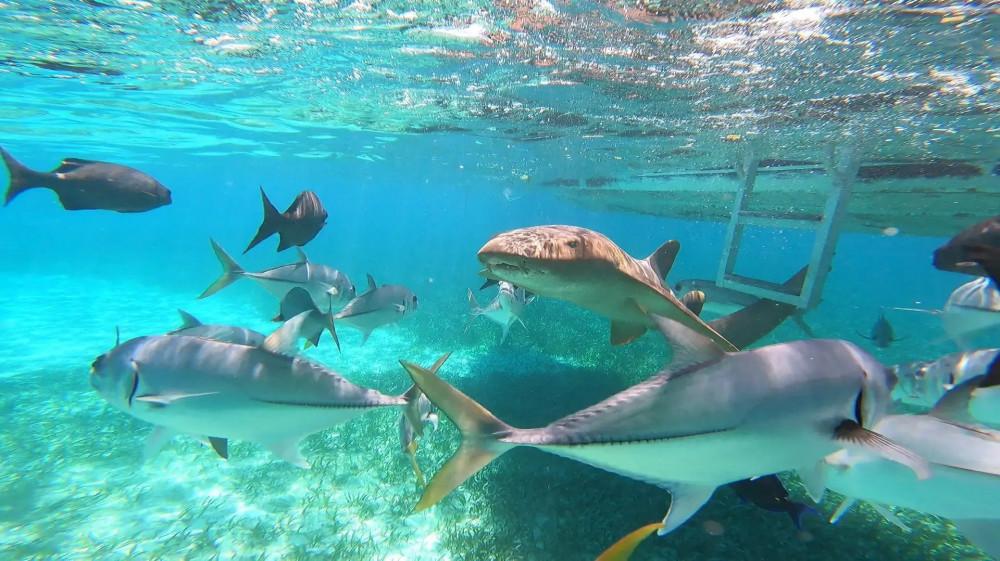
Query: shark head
[[541, 257]]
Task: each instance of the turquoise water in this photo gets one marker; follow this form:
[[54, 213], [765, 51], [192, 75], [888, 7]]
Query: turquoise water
[[419, 159]]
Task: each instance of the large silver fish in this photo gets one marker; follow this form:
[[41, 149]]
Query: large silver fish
[[965, 486], [708, 419], [206, 388], [586, 268], [328, 287], [504, 310], [378, 306], [971, 310], [923, 383]]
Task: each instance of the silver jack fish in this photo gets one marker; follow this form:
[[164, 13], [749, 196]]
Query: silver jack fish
[[965, 486], [378, 306], [504, 310], [923, 383], [586, 268], [327, 286], [971, 310], [221, 391], [708, 419]]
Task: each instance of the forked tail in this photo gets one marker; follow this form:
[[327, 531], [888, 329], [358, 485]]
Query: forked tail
[[270, 225], [21, 178], [481, 434], [231, 272]]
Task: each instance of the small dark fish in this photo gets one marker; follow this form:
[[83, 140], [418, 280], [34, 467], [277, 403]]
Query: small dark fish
[[298, 225], [973, 251], [89, 185], [882, 334], [769, 494]]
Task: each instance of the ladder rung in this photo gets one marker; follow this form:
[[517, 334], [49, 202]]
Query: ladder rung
[[762, 289], [776, 220]]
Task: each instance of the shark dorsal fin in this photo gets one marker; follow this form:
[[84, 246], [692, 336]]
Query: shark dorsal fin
[[689, 347], [285, 339], [371, 282], [188, 320], [662, 259], [303, 258]]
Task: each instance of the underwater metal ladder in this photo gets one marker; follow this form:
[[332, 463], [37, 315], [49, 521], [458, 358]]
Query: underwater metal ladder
[[842, 171]]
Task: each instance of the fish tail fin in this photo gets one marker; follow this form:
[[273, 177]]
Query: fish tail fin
[[231, 272], [21, 178], [481, 434], [270, 224], [332, 328]]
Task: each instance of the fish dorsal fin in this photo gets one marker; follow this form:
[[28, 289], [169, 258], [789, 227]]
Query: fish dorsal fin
[[303, 258], [694, 301], [663, 258], [285, 339], [689, 347], [371, 282], [188, 320], [953, 407], [70, 164]]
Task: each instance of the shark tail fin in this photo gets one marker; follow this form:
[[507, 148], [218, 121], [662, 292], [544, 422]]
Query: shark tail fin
[[481, 434], [269, 226], [21, 178], [231, 272], [663, 258]]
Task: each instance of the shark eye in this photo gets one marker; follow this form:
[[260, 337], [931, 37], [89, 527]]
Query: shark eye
[[573, 244]]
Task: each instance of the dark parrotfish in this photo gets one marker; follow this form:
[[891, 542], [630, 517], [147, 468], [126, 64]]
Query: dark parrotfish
[[297, 226], [974, 251], [769, 494], [882, 334], [89, 185]]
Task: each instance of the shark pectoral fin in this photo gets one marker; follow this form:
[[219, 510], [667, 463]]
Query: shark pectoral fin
[[852, 435], [983, 533], [686, 499], [164, 399], [220, 445], [288, 450], [623, 333], [890, 517], [842, 509], [625, 547], [814, 480], [156, 440]]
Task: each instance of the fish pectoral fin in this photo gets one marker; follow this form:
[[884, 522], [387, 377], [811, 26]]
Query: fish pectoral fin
[[623, 333], [288, 450], [686, 499], [220, 445], [852, 435], [165, 399], [625, 547], [844, 506], [156, 440], [890, 517], [814, 480]]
